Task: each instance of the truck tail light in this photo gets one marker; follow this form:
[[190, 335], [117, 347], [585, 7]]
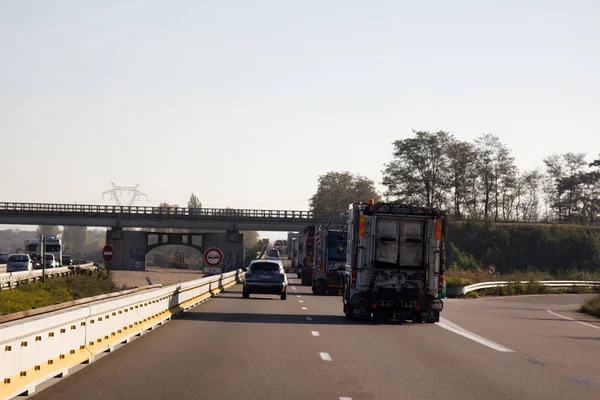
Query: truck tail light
[[354, 277], [441, 283]]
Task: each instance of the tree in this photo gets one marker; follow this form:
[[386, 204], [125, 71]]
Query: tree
[[529, 184], [75, 238], [336, 190], [565, 174], [497, 175], [416, 173], [461, 175], [194, 202], [48, 230]]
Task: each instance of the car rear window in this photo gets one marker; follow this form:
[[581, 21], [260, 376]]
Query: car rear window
[[18, 258], [264, 267]]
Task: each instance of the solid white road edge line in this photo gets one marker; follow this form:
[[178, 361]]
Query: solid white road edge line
[[325, 356], [444, 323], [314, 333], [574, 320]]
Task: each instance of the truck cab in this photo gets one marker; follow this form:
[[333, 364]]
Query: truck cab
[[395, 262]]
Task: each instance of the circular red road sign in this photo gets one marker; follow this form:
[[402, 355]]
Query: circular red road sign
[[491, 269], [213, 257], [107, 253]]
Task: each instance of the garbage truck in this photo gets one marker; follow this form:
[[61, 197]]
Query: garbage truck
[[330, 260], [395, 262]]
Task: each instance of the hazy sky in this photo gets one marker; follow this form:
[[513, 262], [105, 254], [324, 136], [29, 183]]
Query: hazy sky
[[245, 103]]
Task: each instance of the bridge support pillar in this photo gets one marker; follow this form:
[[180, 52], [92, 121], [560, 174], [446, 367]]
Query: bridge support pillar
[[129, 249], [231, 244]]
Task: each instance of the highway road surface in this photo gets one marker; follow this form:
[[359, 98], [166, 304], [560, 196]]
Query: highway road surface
[[534, 347]]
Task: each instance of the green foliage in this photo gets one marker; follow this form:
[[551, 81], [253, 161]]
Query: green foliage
[[556, 249], [55, 291], [75, 238], [336, 190], [591, 306], [418, 172], [47, 230], [252, 245], [194, 202]]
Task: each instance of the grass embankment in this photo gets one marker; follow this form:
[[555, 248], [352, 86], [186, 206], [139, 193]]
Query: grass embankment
[[55, 291], [591, 306], [462, 277]]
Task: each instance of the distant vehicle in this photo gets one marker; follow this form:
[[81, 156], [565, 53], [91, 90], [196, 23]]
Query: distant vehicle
[[330, 261], [53, 246], [51, 261], [278, 244], [19, 263], [308, 255], [67, 261], [265, 277], [273, 253], [4, 258]]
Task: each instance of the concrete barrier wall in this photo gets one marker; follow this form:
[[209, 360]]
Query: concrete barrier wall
[[38, 348]]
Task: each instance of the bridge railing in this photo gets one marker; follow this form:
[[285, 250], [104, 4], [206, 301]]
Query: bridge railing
[[166, 211]]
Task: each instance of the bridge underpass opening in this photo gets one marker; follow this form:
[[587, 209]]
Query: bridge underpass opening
[[184, 256], [131, 248]]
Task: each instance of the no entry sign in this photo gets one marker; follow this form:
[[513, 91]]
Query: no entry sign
[[213, 257], [107, 253]]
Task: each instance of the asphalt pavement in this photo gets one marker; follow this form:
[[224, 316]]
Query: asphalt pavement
[[534, 347]]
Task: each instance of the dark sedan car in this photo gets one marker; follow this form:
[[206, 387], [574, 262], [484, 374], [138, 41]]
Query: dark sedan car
[[67, 261], [265, 277]]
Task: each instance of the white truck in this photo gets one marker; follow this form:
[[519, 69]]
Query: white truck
[[395, 262]]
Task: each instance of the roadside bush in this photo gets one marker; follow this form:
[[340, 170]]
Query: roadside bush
[[591, 306], [55, 291]]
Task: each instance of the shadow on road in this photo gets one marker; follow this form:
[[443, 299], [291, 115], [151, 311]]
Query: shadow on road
[[271, 318], [282, 319], [583, 337], [562, 320]]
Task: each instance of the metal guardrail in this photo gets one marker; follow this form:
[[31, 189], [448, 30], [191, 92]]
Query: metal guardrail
[[461, 290], [12, 280], [38, 348], [104, 210]]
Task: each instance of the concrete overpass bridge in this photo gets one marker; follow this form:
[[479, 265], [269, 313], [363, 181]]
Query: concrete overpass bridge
[[220, 226], [224, 219]]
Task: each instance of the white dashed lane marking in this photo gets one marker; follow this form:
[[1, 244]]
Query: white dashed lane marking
[[300, 301], [325, 356], [314, 333], [304, 308], [345, 398]]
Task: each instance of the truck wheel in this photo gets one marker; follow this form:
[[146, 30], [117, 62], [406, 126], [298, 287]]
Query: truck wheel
[[284, 295], [245, 294]]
